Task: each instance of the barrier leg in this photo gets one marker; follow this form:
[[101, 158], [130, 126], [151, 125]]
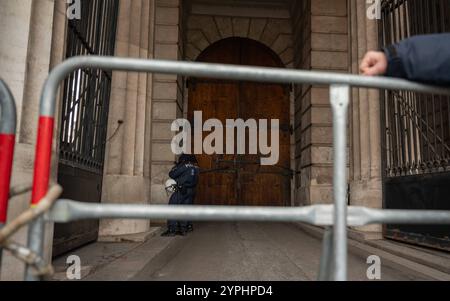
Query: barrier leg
[[326, 260], [339, 96], [7, 140], [36, 244], [41, 178]]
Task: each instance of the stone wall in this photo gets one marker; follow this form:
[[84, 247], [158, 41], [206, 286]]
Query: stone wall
[[365, 128], [321, 40], [206, 27], [127, 163], [35, 35], [167, 94]]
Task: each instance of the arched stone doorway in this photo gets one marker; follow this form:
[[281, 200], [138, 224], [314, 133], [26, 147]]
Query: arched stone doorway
[[240, 179]]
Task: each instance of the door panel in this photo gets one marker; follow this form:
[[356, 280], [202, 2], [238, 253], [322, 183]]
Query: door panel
[[240, 179], [83, 186], [213, 100], [266, 102]]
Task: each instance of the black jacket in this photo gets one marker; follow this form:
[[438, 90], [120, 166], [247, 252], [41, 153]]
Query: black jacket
[[186, 175], [423, 58]]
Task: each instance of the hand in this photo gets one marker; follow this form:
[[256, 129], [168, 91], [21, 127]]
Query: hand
[[374, 63]]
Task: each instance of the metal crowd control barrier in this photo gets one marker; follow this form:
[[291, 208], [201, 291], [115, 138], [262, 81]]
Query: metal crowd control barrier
[[338, 215], [7, 140]]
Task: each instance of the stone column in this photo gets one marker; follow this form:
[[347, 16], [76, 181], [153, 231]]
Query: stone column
[[35, 31], [167, 95], [322, 35], [125, 179], [365, 131]]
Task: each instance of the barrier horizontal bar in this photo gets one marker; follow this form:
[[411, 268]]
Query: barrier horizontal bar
[[221, 71], [65, 211]]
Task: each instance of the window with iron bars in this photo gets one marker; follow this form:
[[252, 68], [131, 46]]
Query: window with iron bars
[[87, 91], [417, 127]]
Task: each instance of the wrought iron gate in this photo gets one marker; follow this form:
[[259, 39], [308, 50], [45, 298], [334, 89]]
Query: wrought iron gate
[[417, 129], [84, 117]]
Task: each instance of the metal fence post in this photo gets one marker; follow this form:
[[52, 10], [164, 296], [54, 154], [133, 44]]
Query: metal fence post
[[35, 244], [339, 97], [326, 259], [41, 178], [7, 141]]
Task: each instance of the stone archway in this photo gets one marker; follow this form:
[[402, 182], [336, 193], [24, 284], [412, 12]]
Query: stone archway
[[275, 33]]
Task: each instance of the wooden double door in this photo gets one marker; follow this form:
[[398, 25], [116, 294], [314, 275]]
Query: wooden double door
[[241, 179]]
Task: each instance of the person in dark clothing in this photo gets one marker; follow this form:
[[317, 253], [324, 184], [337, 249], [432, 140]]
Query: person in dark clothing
[[186, 175], [424, 58]]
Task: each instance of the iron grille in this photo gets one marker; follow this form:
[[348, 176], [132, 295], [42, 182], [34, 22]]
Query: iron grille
[[417, 127], [87, 91]]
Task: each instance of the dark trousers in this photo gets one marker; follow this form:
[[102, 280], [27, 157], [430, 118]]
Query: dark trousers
[[178, 198]]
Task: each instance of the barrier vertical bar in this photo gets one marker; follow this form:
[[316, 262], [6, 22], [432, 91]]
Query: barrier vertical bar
[[339, 97], [326, 260], [7, 140], [40, 186], [40, 183]]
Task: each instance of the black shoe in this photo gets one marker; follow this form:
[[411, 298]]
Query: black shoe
[[169, 233], [190, 228], [182, 232]]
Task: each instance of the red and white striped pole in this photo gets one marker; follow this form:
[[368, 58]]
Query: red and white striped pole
[[42, 163], [43, 159], [41, 178], [7, 141], [6, 158]]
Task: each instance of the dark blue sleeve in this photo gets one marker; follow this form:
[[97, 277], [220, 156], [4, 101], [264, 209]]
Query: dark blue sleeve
[[423, 58], [177, 171]]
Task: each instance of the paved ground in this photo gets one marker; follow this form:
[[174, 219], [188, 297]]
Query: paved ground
[[223, 251], [249, 251]]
